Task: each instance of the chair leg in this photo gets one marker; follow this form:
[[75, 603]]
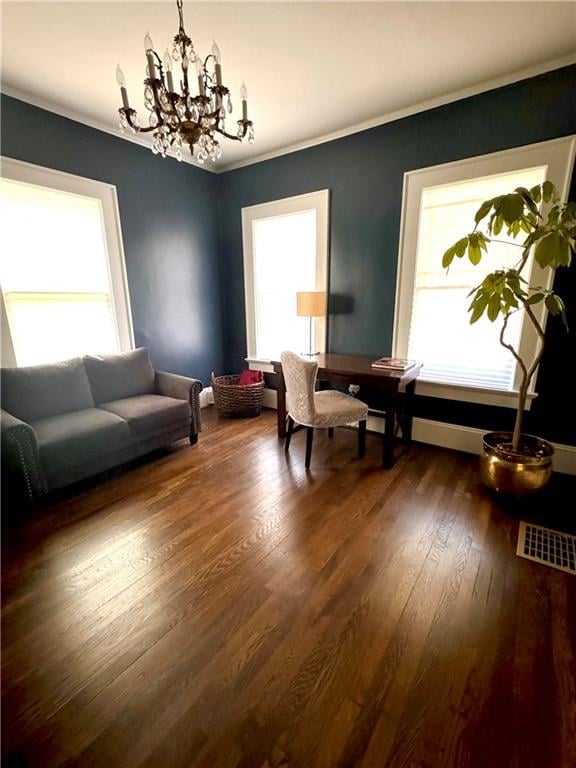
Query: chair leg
[[330, 432], [289, 433], [309, 438], [362, 438]]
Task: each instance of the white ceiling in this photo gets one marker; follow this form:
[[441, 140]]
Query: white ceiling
[[310, 68]]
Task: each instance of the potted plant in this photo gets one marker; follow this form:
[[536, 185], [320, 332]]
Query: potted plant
[[514, 462]]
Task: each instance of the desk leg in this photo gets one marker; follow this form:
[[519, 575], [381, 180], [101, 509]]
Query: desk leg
[[408, 411], [281, 407], [390, 421]]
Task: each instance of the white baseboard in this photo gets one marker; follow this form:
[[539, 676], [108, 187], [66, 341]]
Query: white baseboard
[[270, 398], [455, 436], [469, 440], [206, 397]]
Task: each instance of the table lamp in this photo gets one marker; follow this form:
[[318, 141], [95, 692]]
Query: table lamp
[[311, 304]]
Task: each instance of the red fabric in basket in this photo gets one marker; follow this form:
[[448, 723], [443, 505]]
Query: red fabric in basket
[[248, 377]]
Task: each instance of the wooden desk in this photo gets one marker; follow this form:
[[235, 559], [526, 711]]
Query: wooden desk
[[349, 369]]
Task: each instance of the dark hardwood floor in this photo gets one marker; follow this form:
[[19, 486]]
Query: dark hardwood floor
[[219, 606]]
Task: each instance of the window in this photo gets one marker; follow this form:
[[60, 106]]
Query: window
[[61, 267], [285, 251], [461, 360]]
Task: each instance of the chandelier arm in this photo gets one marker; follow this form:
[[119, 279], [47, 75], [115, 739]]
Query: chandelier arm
[[137, 129], [153, 83], [227, 135]]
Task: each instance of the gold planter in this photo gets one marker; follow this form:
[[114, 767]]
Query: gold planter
[[515, 473]]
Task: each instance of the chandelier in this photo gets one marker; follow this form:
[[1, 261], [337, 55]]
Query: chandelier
[[177, 117]]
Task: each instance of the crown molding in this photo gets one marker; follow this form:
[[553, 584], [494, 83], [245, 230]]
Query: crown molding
[[423, 106], [78, 117], [389, 117]]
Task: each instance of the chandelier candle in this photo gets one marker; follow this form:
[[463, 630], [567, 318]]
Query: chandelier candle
[[178, 117], [217, 67], [168, 68], [149, 48], [121, 80], [200, 71], [244, 97]]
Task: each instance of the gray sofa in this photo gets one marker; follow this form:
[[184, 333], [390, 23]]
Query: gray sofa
[[64, 422]]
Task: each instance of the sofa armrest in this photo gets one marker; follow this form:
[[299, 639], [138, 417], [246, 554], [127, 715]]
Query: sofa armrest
[[20, 456], [182, 388]]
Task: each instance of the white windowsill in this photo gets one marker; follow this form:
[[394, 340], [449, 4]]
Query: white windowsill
[[503, 398], [258, 364]]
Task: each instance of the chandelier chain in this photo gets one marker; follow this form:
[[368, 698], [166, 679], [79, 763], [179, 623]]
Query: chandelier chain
[[179, 4]]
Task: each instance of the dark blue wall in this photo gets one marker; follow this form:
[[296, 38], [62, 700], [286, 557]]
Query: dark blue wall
[[168, 212], [364, 173], [186, 285]]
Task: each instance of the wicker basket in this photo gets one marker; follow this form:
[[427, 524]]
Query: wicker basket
[[233, 401]]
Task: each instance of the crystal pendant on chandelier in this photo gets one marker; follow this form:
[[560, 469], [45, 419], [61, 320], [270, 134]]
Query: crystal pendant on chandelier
[[193, 113]]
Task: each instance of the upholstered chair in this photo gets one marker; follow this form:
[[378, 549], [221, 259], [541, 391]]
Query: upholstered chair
[[311, 409]]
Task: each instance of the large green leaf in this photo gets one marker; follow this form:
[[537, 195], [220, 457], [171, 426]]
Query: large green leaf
[[498, 224], [553, 251], [460, 247], [512, 208], [536, 235], [483, 241], [477, 308], [474, 254], [509, 298], [548, 191], [448, 257], [493, 307], [554, 304], [528, 199], [483, 211]]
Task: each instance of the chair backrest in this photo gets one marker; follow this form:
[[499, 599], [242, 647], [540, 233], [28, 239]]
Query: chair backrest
[[300, 378]]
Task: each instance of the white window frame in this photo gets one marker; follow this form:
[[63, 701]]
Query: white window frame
[[36, 175], [318, 201], [558, 158]]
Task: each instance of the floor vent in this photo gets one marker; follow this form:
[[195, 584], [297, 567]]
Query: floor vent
[[553, 548]]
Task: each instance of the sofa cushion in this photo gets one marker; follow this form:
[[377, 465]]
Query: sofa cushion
[[113, 377], [71, 439], [149, 413], [39, 391]]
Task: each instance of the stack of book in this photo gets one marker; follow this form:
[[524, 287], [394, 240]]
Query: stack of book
[[395, 364]]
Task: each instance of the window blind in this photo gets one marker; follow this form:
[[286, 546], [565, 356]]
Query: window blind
[[453, 351], [54, 274], [284, 259]]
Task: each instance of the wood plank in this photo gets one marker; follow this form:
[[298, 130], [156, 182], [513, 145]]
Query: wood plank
[[218, 605]]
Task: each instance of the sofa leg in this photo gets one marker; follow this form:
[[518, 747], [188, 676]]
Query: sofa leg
[[193, 438]]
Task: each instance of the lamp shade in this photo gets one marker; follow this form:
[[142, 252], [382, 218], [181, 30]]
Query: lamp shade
[[311, 303]]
